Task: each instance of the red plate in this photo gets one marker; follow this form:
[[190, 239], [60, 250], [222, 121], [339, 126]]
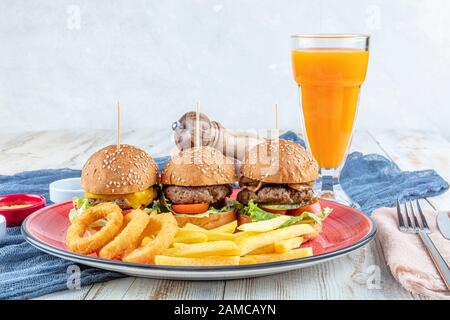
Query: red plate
[[345, 230]]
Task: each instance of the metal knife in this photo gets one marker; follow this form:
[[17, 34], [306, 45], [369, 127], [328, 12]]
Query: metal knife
[[443, 223]]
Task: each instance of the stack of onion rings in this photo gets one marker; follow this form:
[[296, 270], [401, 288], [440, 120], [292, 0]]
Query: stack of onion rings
[[129, 238], [163, 227], [93, 243]]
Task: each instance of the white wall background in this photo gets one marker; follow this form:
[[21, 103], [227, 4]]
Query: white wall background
[[64, 63]]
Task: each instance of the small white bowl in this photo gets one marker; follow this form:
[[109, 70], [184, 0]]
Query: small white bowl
[[2, 227], [65, 190]]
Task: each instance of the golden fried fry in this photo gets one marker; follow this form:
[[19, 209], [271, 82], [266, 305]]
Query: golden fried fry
[[218, 236], [205, 249], [263, 250], [227, 228], [288, 244], [189, 236], [206, 261], [270, 257], [244, 234], [263, 226], [248, 244], [212, 235], [192, 226]]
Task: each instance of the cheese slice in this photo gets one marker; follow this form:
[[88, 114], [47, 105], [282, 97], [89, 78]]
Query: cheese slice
[[134, 200], [299, 186]]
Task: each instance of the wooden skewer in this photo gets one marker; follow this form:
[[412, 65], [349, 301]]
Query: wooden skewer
[[118, 125], [276, 116], [277, 130], [197, 125]]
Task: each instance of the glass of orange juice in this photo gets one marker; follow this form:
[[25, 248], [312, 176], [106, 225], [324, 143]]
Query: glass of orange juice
[[329, 70]]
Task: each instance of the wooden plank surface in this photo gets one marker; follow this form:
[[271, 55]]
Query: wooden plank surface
[[342, 278], [150, 289]]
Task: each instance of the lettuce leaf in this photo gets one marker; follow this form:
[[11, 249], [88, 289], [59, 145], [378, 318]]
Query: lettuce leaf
[[80, 205], [163, 204], [257, 214]]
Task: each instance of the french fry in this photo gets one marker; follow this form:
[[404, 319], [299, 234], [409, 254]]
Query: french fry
[[192, 226], [205, 249], [270, 257], [279, 247], [244, 234], [189, 236], [205, 261], [227, 228], [289, 244], [263, 226], [212, 234], [263, 250], [168, 252], [219, 236], [248, 244]]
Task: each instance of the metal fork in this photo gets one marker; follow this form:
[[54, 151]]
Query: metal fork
[[412, 225]]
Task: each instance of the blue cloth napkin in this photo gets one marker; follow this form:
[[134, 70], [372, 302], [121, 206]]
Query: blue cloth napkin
[[373, 182], [25, 272]]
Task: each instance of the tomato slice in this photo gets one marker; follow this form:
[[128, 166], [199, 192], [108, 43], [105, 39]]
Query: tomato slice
[[192, 208], [315, 208], [275, 211]]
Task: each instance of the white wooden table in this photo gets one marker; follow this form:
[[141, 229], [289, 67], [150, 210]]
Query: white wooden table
[[342, 278]]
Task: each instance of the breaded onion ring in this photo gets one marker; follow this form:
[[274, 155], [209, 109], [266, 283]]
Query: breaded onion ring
[[129, 238], [164, 227], [87, 245]]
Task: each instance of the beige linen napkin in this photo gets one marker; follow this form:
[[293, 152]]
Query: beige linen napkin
[[407, 257]]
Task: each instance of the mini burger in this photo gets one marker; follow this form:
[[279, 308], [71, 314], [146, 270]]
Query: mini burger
[[277, 178], [124, 175], [196, 183]]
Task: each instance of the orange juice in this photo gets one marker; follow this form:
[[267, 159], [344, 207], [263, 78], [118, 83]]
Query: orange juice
[[330, 80]]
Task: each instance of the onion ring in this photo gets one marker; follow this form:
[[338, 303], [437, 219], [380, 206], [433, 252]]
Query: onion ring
[[87, 245], [164, 227], [129, 238]]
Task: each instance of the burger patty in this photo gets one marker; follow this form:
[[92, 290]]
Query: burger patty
[[208, 194], [121, 201], [276, 194]]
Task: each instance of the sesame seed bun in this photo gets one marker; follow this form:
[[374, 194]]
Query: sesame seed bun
[[279, 161], [213, 221], [118, 171], [197, 167]]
